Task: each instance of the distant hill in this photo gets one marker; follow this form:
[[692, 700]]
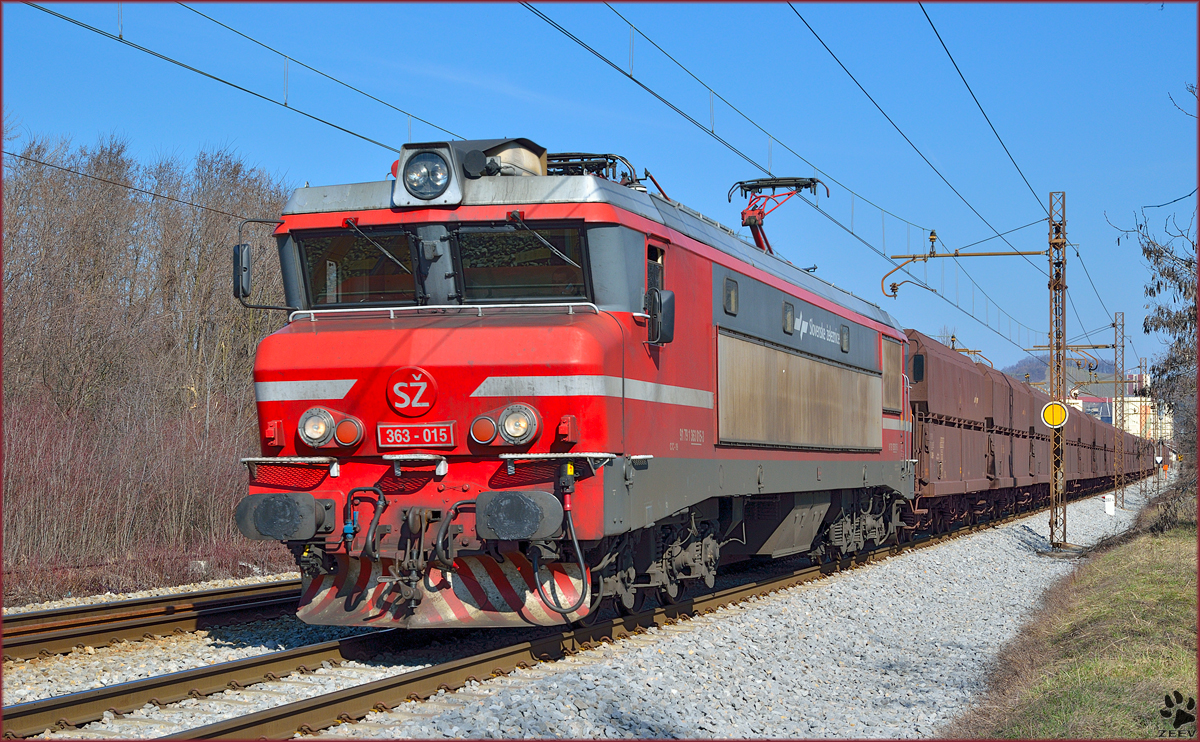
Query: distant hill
[[1038, 366], [1035, 367]]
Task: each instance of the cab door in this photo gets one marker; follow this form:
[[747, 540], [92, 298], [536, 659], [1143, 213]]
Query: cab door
[[668, 386]]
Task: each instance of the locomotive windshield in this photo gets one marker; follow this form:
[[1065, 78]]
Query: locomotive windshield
[[492, 264], [354, 268], [500, 265]]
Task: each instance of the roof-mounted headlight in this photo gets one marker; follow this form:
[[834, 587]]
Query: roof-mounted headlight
[[518, 424], [316, 426], [426, 175]]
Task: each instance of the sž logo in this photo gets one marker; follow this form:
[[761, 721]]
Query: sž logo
[[411, 391]]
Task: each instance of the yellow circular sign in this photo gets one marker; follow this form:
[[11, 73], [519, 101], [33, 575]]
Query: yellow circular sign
[[1054, 414]]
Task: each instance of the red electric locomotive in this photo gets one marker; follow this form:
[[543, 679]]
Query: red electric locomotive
[[512, 386]]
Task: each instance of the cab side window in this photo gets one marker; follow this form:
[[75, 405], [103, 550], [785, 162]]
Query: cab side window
[[655, 269]]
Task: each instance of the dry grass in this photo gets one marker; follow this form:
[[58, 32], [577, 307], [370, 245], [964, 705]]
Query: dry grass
[[155, 566], [1110, 640]]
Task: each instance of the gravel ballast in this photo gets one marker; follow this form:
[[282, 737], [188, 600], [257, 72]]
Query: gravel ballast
[[152, 721], [98, 667], [893, 649]]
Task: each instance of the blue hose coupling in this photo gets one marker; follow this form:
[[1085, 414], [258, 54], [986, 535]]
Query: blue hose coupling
[[350, 528]]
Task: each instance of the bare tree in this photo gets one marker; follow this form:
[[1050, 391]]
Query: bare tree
[[1170, 251], [127, 364]]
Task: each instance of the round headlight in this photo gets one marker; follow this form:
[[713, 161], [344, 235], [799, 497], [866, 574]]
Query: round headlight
[[426, 175], [316, 426], [518, 424]]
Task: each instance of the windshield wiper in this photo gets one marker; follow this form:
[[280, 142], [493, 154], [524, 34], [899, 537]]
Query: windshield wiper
[[350, 223], [515, 216]]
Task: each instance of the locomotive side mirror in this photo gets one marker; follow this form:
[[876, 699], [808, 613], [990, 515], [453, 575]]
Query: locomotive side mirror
[[661, 327], [241, 272]]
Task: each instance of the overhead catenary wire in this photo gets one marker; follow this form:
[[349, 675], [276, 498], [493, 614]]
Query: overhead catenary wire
[[211, 76], [938, 172], [919, 282], [985, 294], [1159, 206], [290, 59], [980, 106], [751, 160], [1087, 273], [1102, 306], [643, 86], [1088, 333], [910, 142], [771, 137], [1079, 319], [1032, 192], [996, 236], [124, 185]]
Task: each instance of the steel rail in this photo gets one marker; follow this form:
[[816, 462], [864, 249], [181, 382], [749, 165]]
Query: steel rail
[[65, 712], [310, 715], [76, 709], [28, 635]]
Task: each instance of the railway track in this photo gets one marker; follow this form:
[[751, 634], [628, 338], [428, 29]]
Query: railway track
[[313, 714], [318, 712], [77, 709], [42, 633]]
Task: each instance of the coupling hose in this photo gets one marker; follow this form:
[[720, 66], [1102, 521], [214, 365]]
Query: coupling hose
[[444, 530], [370, 548], [583, 575]]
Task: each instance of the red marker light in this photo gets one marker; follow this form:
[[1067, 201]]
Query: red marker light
[[483, 430], [348, 432]]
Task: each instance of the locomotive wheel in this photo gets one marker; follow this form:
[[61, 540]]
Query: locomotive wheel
[[632, 602], [667, 597], [712, 555], [593, 612]]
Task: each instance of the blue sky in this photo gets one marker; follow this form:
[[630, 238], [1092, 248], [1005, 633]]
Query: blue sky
[[1079, 93]]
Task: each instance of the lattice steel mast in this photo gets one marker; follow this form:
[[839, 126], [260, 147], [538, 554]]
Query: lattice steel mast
[[1118, 406], [1058, 354]]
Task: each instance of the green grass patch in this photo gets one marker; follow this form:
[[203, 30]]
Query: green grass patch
[[1112, 639]]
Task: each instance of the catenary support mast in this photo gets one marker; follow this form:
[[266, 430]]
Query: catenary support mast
[[1058, 354], [1118, 406]]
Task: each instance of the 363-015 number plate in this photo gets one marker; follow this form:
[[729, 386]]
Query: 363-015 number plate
[[415, 434]]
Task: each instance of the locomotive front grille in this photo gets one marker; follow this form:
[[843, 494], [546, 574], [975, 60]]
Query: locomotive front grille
[[287, 477]]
